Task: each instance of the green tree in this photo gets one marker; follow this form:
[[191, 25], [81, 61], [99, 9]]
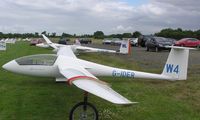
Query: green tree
[[53, 34], [197, 34], [136, 34], [36, 34], [1, 35], [176, 33], [98, 35], [126, 35], [65, 35], [44, 32]]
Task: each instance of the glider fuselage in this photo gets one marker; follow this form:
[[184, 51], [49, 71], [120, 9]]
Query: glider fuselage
[[47, 67], [51, 70]]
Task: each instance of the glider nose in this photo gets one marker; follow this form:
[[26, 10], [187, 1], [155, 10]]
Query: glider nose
[[9, 66]]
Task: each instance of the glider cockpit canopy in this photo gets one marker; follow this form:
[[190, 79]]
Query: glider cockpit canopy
[[41, 59]]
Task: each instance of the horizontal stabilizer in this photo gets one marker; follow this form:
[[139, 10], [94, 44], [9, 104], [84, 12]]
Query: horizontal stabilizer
[[49, 42], [178, 47]]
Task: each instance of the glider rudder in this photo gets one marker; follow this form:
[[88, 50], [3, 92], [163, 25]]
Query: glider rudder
[[177, 63], [125, 47]]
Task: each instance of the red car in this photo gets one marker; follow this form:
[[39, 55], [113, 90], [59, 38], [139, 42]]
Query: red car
[[35, 41], [188, 42]]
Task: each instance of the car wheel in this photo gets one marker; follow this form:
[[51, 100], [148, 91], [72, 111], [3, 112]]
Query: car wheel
[[198, 46], [147, 48]]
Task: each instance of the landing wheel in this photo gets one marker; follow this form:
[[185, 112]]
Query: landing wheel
[[84, 111]]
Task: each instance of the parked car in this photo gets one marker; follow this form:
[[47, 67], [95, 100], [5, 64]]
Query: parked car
[[85, 41], [35, 41], [158, 43], [116, 41], [134, 41], [188, 42], [62, 41], [65, 39], [142, 40], [106, 42]]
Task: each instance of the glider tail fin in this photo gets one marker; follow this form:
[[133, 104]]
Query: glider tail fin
[[46, 39], [125, 47], [177, 63], [49, 42]]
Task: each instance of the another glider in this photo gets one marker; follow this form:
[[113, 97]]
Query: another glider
[[124, 47]]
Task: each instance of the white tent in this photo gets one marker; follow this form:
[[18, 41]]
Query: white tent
[[10, 40]]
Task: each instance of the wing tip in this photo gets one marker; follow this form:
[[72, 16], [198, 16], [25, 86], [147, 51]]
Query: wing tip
[[126, 103]]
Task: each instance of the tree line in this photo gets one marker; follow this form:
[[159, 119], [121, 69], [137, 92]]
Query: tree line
[[97, 35], [100, 35], [178, 33], [169, 33]]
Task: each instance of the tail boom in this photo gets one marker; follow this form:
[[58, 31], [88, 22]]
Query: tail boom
[[174, 69]]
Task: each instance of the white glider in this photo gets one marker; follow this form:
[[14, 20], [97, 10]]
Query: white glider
[[124, 47], [65, 66]]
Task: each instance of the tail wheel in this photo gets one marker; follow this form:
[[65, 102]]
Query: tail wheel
[[84, 111]]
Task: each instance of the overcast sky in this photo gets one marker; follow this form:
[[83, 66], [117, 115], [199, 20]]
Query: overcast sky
[[88, 16]]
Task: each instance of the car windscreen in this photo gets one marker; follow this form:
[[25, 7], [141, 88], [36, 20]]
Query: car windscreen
[[160, 39], [42, 59], [193, 39]]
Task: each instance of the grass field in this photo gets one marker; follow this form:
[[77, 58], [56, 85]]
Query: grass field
[[35, 98]]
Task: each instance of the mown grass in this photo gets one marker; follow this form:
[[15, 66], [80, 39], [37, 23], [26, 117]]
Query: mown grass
[[35, 98]]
